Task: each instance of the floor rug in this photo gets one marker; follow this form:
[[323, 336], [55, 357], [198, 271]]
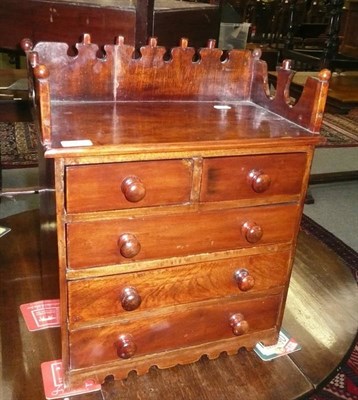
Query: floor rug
[[344, 386], [340, 130], [18, 145]]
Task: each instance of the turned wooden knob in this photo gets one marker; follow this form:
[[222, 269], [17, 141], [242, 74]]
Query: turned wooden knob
[[129, 245], [26, 44], [259, 181], [130, 298], [252, 232], [238, 324], [244, 280], [133, 189], [126, 348]]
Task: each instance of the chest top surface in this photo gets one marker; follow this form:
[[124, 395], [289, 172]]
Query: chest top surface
[[128, 100]]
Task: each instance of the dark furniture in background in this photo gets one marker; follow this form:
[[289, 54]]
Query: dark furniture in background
[[14, 104], [349, 45], [310, 33], [329, 55], [315, 34], [62, 20]]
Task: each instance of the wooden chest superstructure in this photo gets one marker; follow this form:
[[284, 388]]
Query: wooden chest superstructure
[[179, 184]]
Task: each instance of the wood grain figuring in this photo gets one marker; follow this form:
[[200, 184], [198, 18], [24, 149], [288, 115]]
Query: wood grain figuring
[[99, 298], [241, 375], [142, 365], [151, 126], [193, 325], [99, 187], [178, 234], [180, 78], [232, 178], [314, 95], [92, 78], [177, 224]]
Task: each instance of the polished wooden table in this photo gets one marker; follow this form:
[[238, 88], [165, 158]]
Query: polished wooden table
[[321, 314], [342, 92]]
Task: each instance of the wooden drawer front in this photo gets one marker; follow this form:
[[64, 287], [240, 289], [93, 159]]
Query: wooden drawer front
[[127, 185], [246, 177], [96, 243], [196, 324], [95, 299]]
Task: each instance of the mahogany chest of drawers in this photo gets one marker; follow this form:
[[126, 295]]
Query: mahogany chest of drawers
[[179, 186]]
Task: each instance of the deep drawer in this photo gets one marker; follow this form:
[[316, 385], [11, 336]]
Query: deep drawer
[[127, 185], [127, 294], [246, 177], [194, 325], [102, 242]]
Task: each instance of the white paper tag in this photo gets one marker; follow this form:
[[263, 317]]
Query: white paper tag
[[222, 107], [285, 345], [76, 143]]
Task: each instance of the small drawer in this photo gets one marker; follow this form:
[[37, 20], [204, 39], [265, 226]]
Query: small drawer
[[102, 242], [100, 298], [246, 177], [126, 185], [193, 325]]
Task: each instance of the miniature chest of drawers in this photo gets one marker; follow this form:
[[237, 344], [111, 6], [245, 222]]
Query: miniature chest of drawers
[[179, 185]]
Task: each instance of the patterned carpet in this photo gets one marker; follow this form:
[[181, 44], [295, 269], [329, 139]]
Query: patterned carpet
[[340, 130], [18, 145], [18, 140], [344, 386]]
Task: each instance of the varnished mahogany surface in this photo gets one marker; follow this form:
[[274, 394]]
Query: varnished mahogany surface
[[320, 314], [190, 77], [127, 185], [185, 111], [146, 110], [179, 234], [98, 299], [112, 186], [175, 328], [153, 124]]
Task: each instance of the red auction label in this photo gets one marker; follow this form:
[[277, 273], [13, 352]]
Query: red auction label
[[41, 314], [52, 377]]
